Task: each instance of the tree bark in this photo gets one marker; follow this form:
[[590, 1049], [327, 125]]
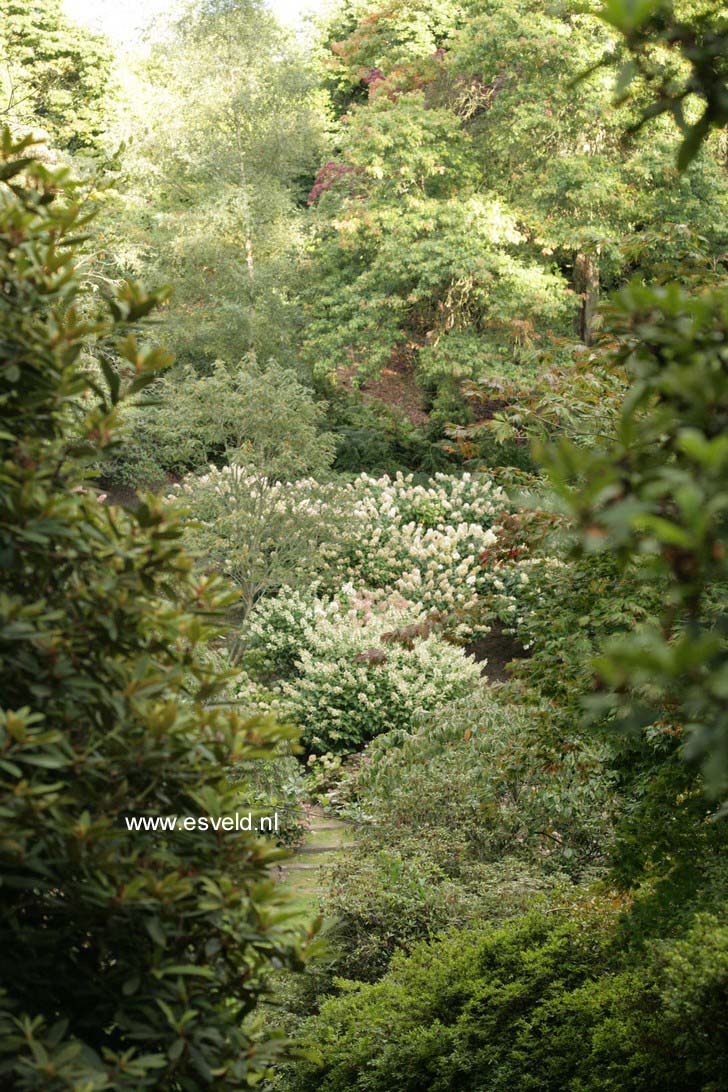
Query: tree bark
[[586, 286]]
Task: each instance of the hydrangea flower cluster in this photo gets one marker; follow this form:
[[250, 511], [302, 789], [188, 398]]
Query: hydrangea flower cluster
[[422, 542], [280, 629], [225, 483], [261, 532], [506, 588], [354, 682]]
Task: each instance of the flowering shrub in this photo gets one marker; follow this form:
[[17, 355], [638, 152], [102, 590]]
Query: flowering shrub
[[510, 590], [281, 627], [290, 546], [420, 541], [353, 684], [452, 547], [261, 532], [323, 774]]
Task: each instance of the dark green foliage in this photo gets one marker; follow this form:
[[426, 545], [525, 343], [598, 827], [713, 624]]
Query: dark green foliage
[[661, 817], [659, 492], [376, 440], [569, 610], [385, 901], [479, 782], [475, 816], [129, 960], [547, 1003]]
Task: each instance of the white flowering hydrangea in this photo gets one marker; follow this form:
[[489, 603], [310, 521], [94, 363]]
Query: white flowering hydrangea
[[222, 488], [260, 532], [281, 627], [509, 589], [428, 544], [354, 682], [422, 542]]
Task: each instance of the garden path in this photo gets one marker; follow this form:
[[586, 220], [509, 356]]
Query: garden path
[[323, 845]]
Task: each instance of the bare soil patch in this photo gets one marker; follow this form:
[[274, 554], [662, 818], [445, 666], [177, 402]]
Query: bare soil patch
[[495, 651]]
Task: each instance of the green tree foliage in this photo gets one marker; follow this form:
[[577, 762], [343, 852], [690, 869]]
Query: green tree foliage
[[410, 258], [660, 491], [224, 123], [656, 489], [362, 38], [54, 75], [478, 205], [682, 51], [561, 155], [260, 416], [389, 35], [264, 533], [129, 960]]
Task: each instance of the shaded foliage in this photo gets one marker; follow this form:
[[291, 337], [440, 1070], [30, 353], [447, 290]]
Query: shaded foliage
[[130, 960]]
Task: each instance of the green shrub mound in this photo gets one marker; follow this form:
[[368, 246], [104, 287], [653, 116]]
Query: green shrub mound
[[256, 412], [545, 1003], [477, 781], [468, 818], [128, 960]]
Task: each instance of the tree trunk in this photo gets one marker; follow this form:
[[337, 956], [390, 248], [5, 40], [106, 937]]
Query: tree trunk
[[586, 286], [249, 258], [247, 226]]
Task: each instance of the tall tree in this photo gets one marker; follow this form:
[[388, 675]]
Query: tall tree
[[479, 203], [226, 133], [559, 147], [412, 255]]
